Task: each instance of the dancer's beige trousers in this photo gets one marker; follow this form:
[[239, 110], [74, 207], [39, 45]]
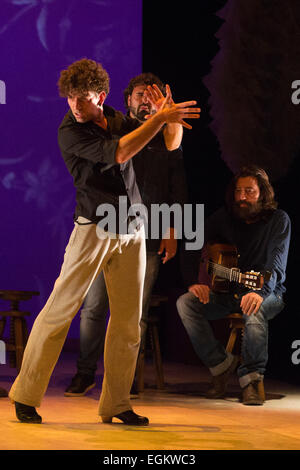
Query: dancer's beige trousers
[[123, 260]]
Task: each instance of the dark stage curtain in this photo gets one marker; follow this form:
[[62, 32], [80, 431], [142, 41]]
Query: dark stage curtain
[[253, 114]]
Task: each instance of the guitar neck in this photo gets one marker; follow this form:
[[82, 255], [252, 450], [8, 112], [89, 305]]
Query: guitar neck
[[232, 274]]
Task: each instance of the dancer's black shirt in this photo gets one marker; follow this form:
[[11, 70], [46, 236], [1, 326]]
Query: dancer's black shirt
[[89, 154]]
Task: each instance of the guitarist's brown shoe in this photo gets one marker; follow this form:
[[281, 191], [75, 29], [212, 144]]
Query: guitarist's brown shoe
[[219, 382], [252, 395]]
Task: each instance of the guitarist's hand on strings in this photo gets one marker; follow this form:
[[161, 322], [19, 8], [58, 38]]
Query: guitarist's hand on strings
[[201, 291], [251, 303]]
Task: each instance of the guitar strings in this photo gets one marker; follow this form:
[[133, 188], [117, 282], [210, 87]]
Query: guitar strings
[[222, 269]]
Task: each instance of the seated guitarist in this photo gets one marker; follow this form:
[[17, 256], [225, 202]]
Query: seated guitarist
[[261, 233]]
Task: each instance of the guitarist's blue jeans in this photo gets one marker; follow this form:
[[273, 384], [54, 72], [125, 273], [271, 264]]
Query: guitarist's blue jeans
[[196, 316]]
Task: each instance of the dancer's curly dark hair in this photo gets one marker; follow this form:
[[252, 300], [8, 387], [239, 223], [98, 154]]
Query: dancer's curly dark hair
[[83, 76]]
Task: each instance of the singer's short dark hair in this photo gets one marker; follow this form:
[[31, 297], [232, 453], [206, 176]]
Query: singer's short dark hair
[[145, 78]]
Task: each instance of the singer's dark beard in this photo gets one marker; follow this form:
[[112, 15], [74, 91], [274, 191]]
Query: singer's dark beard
[[140, 115], [249, 213]]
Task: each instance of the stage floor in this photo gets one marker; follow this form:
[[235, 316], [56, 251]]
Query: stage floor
[[180, 417]]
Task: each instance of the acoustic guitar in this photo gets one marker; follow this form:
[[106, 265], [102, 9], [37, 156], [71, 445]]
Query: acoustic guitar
[[222, 267]]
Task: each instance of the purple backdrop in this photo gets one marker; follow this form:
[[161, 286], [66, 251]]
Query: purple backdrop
[[38, 39]]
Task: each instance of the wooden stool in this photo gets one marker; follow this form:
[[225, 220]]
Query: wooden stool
[[237, 326], [18, 327], [152, 330]]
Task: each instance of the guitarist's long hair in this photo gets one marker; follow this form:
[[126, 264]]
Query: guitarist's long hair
[[267, 195]]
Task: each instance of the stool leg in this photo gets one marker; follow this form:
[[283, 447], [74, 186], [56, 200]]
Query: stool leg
[[25, 332], [157, 358], [2, 326], [12, 342], [231, 340], [19, 342]]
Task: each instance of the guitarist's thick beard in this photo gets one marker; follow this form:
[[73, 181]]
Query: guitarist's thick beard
[[248, 212]]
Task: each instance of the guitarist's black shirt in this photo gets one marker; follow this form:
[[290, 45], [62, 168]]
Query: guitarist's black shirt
[[262, 245]]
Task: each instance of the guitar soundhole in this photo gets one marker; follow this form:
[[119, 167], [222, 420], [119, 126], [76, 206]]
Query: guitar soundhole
[[221, 285]]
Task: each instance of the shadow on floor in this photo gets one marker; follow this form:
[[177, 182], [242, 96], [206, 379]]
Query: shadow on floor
[[196, 389]]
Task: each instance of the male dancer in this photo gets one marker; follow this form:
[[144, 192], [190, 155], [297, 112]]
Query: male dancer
[[97, 144]]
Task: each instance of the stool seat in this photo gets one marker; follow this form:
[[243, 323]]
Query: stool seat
[[152, 321], [17, 294], [18, 328], [235, 315], [13, 313], [156, 300]]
